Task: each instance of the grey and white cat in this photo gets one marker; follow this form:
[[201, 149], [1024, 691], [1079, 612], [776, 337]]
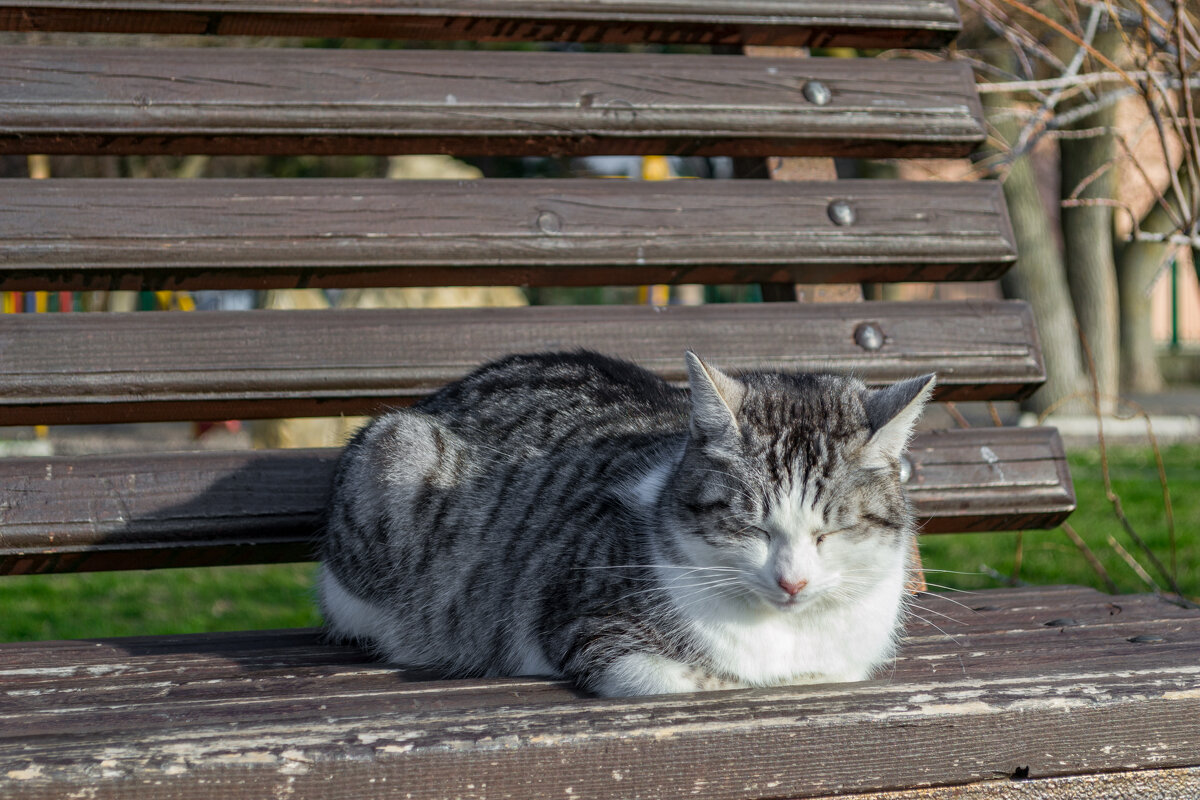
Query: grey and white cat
[[573, 515]]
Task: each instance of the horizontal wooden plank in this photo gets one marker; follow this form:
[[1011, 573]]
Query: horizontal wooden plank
[[200, 100], [1141, 783], [67, 678], [854, 23], [67, 514], [995, 632], [1008, 636], [171, 716], [85, 368], [977, 478], [162, 234]]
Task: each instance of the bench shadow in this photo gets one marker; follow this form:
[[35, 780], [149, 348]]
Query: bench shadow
[[268, 510]]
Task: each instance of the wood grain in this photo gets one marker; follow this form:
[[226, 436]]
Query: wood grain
[[144, 511], [87, 368], [180, 716], [235, 100], [162, 234], [854, 23]]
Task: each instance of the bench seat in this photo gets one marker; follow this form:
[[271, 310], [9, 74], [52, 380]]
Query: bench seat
[[1024, 692]]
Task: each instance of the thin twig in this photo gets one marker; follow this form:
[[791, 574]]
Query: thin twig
[[1090, 556], [1138, 569], [1018, 557], [1086, 79], [953, 411], [1050, 23], [1112, 496], [991, 406]]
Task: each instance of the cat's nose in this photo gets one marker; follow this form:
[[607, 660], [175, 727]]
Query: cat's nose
[[792, 588]]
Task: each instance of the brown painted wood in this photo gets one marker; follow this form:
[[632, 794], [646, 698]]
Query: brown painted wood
[[1144, 784], [292, 663], [179, 716], [145, 511], [152, 100], [140, 234], [291, 668], [856, 23], [951, 468], [86, 368]]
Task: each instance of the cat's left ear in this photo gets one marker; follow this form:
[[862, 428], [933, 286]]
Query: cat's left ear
[[716, 398], [892, 412]]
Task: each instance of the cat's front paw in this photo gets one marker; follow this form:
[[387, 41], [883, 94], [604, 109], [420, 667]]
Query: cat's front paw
[[648, 673]]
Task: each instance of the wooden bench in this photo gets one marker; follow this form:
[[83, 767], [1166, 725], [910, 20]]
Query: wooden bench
[[1054, 691]]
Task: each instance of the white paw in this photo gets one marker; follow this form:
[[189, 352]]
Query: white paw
[[645, 673]]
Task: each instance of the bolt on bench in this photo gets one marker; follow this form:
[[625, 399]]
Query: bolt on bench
[[1057, 691]]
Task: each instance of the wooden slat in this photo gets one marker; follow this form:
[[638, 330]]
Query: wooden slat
[[854, 23], [68, 514], [1008, 635], [990, 479], [155, 366], [181, 716], [140, 234], [200, 100]]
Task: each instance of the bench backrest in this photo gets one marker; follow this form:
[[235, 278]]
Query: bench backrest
[[116, 512]]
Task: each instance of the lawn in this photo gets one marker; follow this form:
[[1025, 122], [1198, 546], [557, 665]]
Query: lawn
[[237, 598], [1050, 557]]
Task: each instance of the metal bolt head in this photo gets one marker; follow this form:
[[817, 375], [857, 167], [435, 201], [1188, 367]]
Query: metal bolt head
[[868, 336], [842, 213], [817, 93], [549, 222], [1147, 638]]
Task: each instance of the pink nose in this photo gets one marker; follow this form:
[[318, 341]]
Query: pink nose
[[792, 589]]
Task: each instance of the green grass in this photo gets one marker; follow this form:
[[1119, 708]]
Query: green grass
[[280, 596], [1050, 557], [162, 601]]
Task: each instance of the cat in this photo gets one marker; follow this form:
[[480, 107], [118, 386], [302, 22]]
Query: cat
[[574, 515]]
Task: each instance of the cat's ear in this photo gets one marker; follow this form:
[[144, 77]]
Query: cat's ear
[[716, 398], [892, 412]]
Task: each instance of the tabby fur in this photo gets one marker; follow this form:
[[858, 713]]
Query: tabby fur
[[573, 515]]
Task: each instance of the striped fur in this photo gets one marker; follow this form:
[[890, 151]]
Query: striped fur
[[573, 515]]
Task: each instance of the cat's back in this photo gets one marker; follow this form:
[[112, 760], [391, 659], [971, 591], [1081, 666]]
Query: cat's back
[[476, 495], [552, 393]]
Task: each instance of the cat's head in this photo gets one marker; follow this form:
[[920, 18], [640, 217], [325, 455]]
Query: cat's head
[[789, 486]]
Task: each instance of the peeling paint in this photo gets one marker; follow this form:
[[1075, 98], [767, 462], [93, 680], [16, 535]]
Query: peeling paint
[[32, 772]]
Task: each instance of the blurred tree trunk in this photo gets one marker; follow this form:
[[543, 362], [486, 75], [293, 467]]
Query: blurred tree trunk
[[1137, 265], [1039, 278], [1088, 243]]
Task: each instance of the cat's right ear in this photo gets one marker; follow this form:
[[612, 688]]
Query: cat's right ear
[[716, 398]]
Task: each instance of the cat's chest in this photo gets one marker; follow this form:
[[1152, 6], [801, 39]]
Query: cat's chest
[[841, 642]]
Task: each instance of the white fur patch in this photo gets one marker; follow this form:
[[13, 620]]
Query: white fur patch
[[840, 627], [834, 641], [646, 490], [348, 616], [645, 673]]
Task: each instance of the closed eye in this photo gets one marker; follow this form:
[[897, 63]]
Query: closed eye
[[827, 534], [756, 531]]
